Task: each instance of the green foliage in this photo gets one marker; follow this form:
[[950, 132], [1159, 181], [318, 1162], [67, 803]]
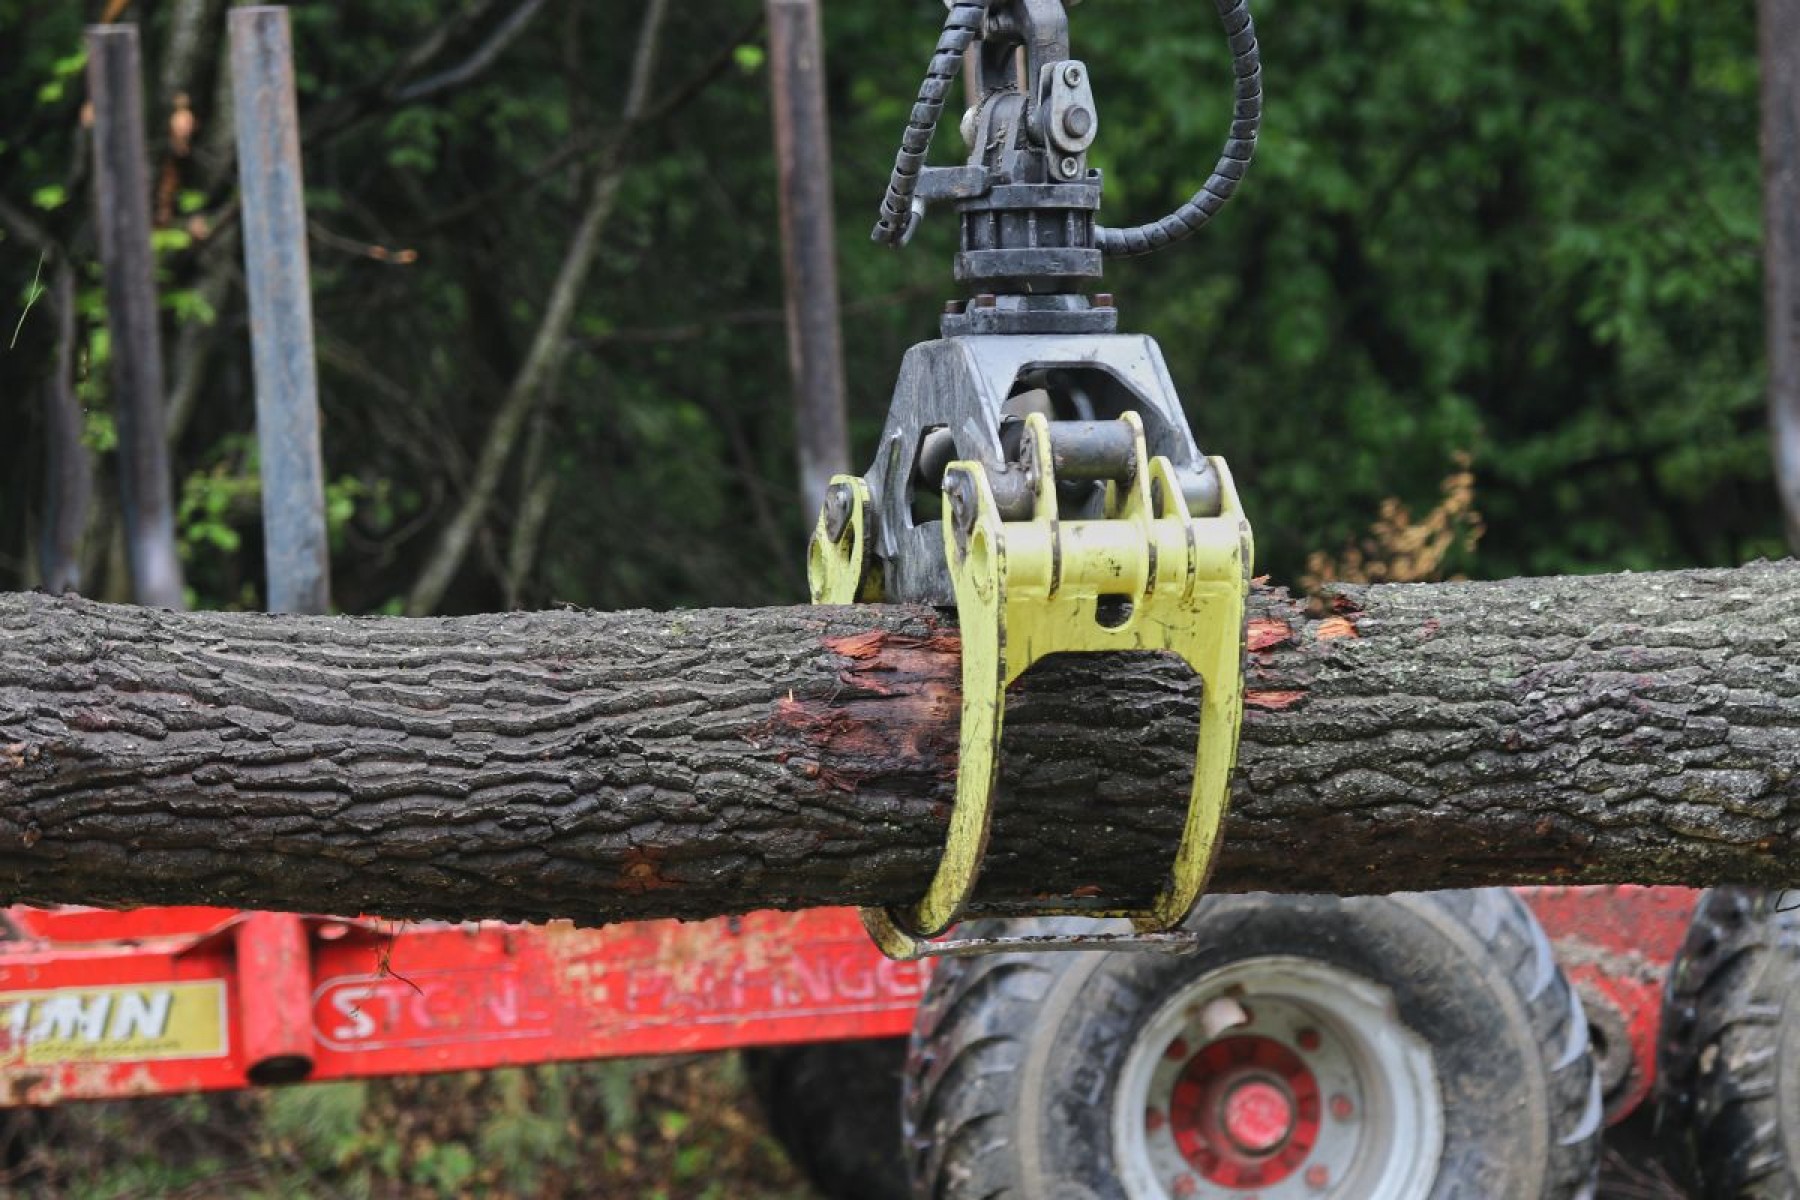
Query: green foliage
[[322, 1125], [216, 500], [220, 507], [1526, 231], [536, 1133]]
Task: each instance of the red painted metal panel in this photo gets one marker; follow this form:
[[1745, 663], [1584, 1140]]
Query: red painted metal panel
[[76, 924], [380, 998], [99, 1004], [446, 998], [1616, 944], [274, 977]]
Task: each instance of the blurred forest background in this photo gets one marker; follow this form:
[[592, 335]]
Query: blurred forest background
[[1494, 257], [1523, 232]]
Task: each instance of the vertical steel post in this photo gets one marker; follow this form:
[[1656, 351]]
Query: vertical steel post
[[122, 215], [274, 994], [809, 251], [1779, 25], [274, 954], [281, 334]]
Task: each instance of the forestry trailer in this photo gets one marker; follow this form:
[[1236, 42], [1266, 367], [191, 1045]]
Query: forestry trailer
[[1037, 474]]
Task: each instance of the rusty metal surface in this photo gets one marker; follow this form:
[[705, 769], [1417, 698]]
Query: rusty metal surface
[[276, 279]]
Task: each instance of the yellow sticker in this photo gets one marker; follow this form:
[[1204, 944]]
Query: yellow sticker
[[114, 1024]]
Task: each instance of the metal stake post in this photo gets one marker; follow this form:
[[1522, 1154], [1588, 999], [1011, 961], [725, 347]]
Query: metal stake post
[[281, 335], [273, 949], [122, 214], [1780, 35], [808, 237]]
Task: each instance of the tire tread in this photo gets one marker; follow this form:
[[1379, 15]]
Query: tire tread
[[1723, 1011], [985, 1008]]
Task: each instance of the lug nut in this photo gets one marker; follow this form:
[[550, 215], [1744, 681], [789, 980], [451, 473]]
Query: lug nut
[[962, 502], [837, 510]]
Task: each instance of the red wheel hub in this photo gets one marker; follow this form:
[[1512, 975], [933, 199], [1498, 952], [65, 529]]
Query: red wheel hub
[[1258, 1116], [1245, 1112]]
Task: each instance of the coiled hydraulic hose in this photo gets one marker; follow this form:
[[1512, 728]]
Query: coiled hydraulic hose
[[1240, 148], [960, 29]]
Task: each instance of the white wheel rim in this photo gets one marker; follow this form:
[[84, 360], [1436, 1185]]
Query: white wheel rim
[[1320, 1093]]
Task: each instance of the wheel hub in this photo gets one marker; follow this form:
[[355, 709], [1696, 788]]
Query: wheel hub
[[1245, 1111], [1259, 1116], [1312, 1092]]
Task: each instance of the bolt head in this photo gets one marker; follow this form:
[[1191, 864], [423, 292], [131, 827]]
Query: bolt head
[[1072, 75], [1078, 122], [838, 504], [1070, 167]]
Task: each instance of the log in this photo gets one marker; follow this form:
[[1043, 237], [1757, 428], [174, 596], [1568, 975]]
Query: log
[[606, 766]]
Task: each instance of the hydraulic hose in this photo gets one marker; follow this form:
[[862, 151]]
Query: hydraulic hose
[[963, 25], [960, 29], [1240, 147]]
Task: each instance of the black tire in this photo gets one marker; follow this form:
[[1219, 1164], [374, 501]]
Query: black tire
[[1014, 1080], [1728, 1062], [835, 1109]]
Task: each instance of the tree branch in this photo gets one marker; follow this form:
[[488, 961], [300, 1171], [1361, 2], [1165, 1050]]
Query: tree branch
[[583, 146], [478, 61], [548, 346]]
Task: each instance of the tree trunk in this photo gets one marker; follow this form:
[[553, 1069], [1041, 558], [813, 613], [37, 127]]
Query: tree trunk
[[605, 766]]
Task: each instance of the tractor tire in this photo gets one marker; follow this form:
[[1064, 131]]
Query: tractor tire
[[835, 1108], [1417, 1047], [1728, 1062]]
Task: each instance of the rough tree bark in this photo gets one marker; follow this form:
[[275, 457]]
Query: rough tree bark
[[604, 766]]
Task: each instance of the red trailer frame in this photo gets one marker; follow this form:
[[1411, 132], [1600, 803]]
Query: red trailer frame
[[97, 1004], [100, 1005]]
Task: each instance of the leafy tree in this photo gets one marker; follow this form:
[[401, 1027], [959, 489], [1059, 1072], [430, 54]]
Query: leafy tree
[[1527, 232]]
